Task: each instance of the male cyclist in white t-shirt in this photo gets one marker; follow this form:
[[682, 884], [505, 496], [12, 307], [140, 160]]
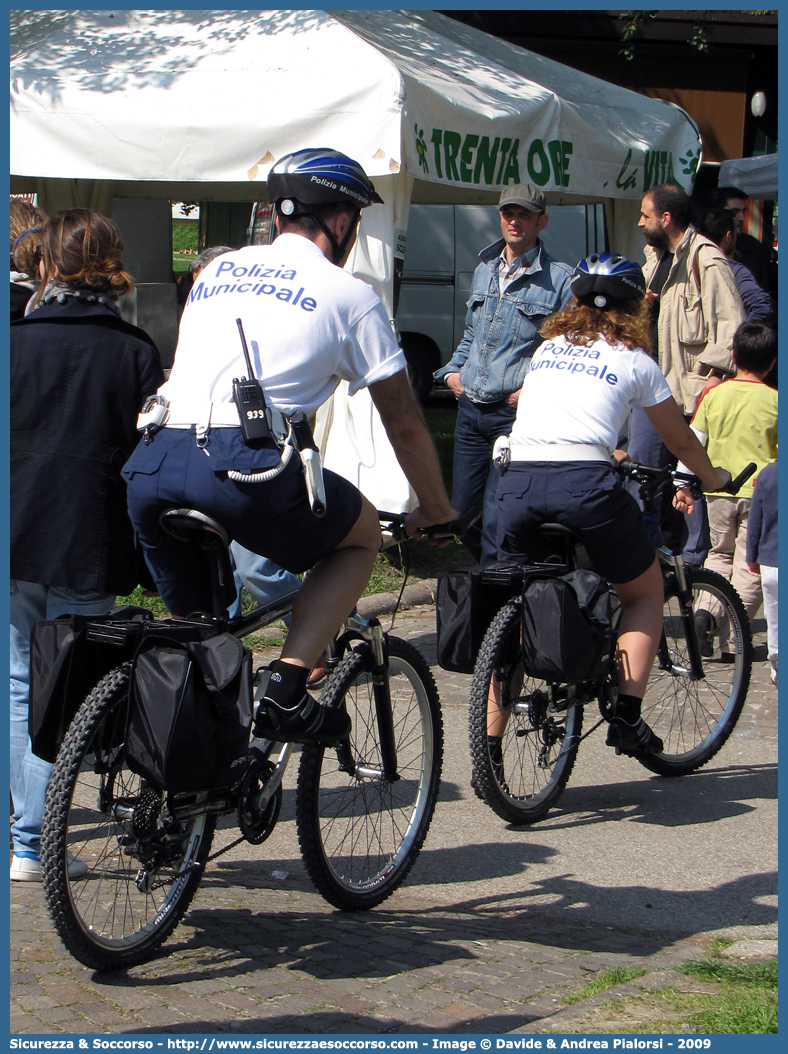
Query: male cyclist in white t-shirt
[[309, 324]]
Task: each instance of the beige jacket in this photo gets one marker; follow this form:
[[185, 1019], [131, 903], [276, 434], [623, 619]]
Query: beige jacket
[[700, 310]]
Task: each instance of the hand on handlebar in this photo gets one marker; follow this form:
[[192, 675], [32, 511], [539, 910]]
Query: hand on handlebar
[[684, 501], [420, 525], [723, 480], [684, 498]]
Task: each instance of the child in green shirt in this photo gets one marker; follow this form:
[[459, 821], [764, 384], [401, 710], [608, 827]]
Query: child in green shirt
[[737, 422]]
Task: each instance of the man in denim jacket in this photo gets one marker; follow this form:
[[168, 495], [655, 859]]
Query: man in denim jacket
[[514, 288]]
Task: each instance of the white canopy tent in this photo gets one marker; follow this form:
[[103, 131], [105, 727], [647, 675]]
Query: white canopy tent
[[758, 177], [197, 105]]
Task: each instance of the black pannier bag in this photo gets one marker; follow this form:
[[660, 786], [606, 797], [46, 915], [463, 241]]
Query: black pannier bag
[[190, 708], [68, 657], [465, 604], [569, 625]]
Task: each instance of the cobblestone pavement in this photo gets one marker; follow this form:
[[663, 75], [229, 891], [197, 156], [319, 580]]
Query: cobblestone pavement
[[494, 927]]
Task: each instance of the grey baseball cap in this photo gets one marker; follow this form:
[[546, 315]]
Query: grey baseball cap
[[524, 194]]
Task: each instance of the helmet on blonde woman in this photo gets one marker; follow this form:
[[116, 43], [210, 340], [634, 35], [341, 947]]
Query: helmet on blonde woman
[[606, 279]]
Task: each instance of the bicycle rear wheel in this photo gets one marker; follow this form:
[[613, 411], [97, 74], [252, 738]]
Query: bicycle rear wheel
[[539, 745], [143, 866], [694, 718], [359, 833]]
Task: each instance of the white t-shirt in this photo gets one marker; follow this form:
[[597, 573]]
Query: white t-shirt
[[308, 324], [582, 395]]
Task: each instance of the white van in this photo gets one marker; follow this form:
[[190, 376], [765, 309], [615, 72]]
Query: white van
[[442, 252]]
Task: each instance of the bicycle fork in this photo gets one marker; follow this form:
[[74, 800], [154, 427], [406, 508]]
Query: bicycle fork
[[684, 596], [372, 633]]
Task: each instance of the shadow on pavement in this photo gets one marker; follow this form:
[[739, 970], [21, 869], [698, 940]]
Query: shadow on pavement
[[703, 797], [328, 1023], [559, 912]]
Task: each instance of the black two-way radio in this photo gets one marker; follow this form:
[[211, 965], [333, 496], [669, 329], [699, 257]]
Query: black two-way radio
[[249, 399]]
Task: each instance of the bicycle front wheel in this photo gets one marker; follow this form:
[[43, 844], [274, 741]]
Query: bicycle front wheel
[[359, 832], [142, 866], [694, 717], [526, 776]]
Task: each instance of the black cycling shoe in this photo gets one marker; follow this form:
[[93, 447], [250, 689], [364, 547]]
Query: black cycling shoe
[[705, 625], [633, 740], [306, 722]]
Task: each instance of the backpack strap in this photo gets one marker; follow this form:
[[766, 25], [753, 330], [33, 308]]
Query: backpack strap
[[695, 267]]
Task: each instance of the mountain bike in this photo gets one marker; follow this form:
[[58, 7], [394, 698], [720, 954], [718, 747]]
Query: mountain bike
[[694, 696], [363, 808]]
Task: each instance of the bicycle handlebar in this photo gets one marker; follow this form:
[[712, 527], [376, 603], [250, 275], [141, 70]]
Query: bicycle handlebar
[[394, 522], [735, 485], [651, 479]]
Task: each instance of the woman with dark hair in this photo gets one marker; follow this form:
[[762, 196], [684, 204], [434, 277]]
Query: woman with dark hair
[[79, 377], [26, 229], [592, 368]]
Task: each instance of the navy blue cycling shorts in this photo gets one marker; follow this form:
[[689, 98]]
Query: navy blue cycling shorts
[[587, 496], [271, 518]]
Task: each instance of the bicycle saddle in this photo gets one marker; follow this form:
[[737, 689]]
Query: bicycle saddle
[[189, 525], [557, 532]]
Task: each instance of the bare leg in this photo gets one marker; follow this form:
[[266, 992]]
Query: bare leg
[[496, 717], [331, 590], [641, 624]]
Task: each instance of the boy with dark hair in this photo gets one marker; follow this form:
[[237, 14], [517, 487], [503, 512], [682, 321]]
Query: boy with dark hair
[[737, 421]]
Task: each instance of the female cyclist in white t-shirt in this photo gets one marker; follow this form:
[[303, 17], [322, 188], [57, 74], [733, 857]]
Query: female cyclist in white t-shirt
[[592, 368]]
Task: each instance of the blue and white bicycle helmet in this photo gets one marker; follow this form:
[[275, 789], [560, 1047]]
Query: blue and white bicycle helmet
[[307, 178], [606, 279]]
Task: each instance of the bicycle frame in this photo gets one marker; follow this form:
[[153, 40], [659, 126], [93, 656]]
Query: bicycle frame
[[670, 561], [355, 628]]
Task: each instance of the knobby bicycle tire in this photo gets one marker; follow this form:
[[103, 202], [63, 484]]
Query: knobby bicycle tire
[[360, 834], [539, 745], [694, 718], [143, 866]]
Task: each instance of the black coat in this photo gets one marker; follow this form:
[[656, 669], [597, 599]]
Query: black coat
[[20, 294], [79, 377]]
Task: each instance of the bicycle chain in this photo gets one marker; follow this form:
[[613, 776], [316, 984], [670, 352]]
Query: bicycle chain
[[579, 740], [227, 848]]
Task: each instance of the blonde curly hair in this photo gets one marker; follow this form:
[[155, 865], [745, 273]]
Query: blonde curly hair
[[582, 324]]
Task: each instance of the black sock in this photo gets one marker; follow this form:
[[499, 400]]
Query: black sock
[[287, 684], [628, 708]]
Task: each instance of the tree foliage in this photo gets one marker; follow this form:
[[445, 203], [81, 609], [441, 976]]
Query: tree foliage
[[699, 30]]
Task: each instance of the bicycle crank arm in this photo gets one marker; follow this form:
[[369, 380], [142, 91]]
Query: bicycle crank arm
[[261, 799]]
